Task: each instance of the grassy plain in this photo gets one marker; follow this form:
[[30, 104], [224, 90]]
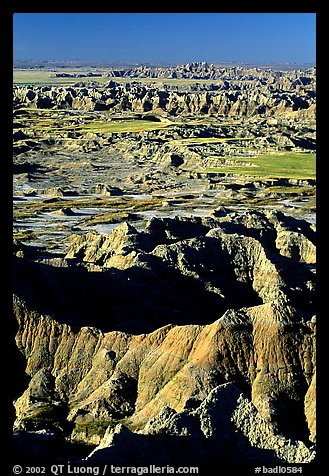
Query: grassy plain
[[296, 165], [43, 78]]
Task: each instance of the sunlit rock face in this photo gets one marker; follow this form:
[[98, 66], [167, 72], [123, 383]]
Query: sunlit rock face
[[174, 317]]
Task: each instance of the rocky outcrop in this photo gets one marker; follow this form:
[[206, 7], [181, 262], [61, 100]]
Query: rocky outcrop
[[202, 70], [239, 92], [232, 255], [220, 428], [174, 103], [199, 333]]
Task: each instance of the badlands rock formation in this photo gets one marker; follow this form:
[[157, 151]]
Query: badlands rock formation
[[198, 331], [235, 92], [164, 301], [136, 98]]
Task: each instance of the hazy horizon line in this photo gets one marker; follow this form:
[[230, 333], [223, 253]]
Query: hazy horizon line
[[159, 62]]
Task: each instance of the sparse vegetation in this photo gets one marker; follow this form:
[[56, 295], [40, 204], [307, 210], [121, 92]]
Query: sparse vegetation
[[45, 120], [208, 140]]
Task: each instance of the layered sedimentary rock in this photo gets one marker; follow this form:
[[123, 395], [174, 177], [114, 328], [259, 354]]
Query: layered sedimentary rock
[[238, 92], [203, 70], [198, 333]]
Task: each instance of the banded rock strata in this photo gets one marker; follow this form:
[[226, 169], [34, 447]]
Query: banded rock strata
[[194, 332]]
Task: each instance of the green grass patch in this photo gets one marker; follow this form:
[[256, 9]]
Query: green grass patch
[[297, 165], [135, 125]]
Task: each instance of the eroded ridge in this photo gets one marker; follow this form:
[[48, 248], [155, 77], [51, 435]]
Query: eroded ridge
[[199, 332]]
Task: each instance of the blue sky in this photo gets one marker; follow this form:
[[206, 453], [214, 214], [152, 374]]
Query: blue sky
[[166, 37]]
